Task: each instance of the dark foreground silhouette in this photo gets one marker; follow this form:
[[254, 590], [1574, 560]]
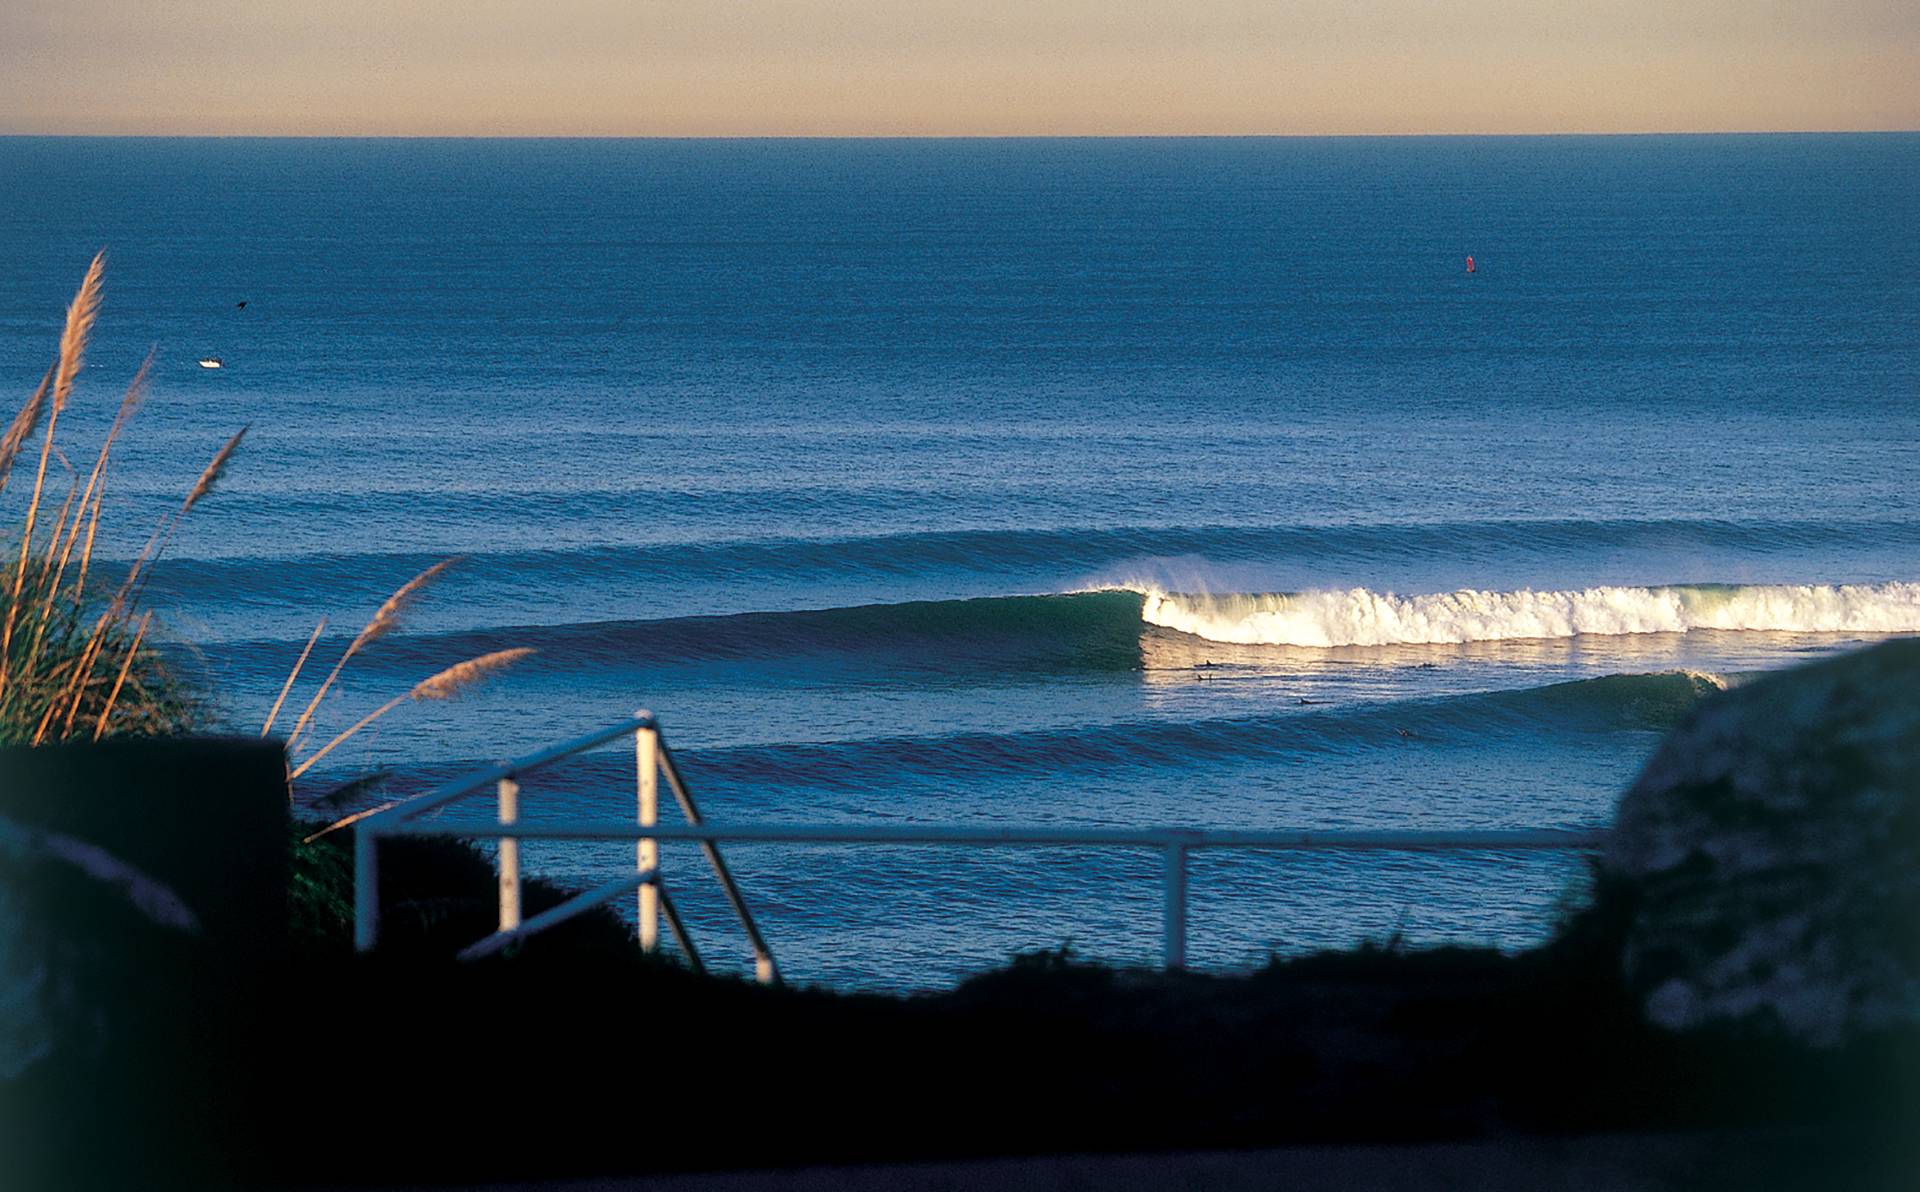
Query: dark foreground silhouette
[[249, 1056]]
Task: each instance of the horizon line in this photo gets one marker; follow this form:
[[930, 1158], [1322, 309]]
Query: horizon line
[[1069, 136]]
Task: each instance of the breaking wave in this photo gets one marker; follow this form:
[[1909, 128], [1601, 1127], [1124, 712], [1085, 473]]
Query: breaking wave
[[1100, 631], [1360, 617]]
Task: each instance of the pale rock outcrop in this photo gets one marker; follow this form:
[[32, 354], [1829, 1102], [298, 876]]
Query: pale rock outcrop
[[1771, 854]]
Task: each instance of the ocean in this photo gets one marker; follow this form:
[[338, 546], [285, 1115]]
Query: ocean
[[1119, 482]]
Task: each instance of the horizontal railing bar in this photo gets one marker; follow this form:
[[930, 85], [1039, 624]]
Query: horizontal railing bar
[[1030, 835], [401, 819], [577, 905], [479, 780]]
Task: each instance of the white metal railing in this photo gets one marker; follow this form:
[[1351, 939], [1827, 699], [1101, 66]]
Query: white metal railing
[[653, 758]]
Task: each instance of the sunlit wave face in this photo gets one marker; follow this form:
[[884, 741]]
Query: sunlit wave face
[[1163, 650]]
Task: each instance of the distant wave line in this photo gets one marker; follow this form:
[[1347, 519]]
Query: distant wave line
[[1639, 702], [986, 548], [1101, 630]]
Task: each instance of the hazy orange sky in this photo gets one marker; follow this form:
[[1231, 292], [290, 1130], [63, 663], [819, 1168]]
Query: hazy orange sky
[[931, 67]]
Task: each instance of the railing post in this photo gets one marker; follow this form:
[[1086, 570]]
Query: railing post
[[509, 856], [764, 969], [646, 746], [366, 889], [1175, 873]]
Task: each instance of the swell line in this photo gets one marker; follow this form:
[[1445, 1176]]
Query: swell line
[[1610, 703]]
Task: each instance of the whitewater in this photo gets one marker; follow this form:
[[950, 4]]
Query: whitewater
[[1361, 617]]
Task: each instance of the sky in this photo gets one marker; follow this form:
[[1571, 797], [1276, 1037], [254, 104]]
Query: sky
[[954, 67]]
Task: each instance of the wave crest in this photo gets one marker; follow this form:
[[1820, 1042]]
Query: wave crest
[[1360, 617]]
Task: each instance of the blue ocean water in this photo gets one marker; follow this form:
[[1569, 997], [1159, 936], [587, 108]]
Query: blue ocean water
[[1102, 481]]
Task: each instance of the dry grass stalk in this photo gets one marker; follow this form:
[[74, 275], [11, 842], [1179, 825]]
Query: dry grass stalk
[[450, 682], [445, 685], [95, 495], [53, 684], [73, 338], [53, 541], [86, 548], [81, 314], [292, 675], [214, 471], [156, 545], [24, 423], [350, 820], [83, 678], [385, 619], [120, 681], [46, 582], [51, 643], [96, 479], [387, 616]]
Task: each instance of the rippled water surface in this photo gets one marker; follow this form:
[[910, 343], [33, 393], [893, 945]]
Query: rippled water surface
[[1104, 482]]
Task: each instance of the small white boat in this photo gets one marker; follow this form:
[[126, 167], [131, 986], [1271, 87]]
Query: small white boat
[[211, 362]]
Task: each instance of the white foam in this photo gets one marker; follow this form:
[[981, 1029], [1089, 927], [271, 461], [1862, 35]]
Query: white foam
[[1359, 617]]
